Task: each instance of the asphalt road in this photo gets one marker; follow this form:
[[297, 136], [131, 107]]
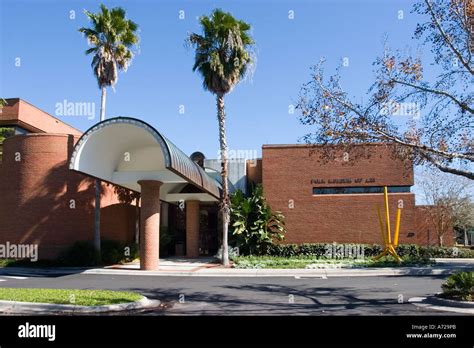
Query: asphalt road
[[258, 296]]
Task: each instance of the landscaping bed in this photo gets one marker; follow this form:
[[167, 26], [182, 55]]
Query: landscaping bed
[[320, 250], [311, 262], [315, 256], [82, 254]]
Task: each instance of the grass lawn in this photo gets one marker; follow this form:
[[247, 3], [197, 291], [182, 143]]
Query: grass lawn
[[6, 262], [315, 263], [28, 263], [68, 296]]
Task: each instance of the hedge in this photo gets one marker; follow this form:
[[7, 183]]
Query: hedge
[[82, 253], [319, 250]]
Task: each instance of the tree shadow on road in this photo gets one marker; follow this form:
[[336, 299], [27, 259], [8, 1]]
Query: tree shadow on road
[[277, 299]]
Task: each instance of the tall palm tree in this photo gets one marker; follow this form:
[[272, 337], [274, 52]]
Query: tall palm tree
[[222, 58], [111, 37]]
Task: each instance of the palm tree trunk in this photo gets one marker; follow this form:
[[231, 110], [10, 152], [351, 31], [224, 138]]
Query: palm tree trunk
[[224, 204], [97, 217], [98, 185], [102, 103]]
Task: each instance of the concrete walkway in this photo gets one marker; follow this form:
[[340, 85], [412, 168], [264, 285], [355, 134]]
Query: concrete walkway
[[201, 267], [210, 268], [173, 265]]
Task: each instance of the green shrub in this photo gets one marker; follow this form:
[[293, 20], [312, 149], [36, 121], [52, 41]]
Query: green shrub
[[82, 254], [115, 252], [407, 260], [255, 227], [459, 286], [408, 250], [446, 252], [465, 253], [372, 250], [317, 250], [110, 251], [412, 251], [282, 250], [167, 240], [308, 249]]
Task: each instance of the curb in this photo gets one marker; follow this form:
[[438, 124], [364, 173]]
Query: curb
[[320, 273], [453, 260], [450, 303], [34, 272], [435, 303], [14, 307]]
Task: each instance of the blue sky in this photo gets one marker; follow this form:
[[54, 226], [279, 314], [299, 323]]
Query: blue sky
[[54, 67]]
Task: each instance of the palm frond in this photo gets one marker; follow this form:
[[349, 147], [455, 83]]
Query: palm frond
[[221, 52], [112, 37]]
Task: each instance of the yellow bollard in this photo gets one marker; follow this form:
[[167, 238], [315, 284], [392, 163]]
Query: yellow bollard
[[387, 214], [397, 228], [389, 247]]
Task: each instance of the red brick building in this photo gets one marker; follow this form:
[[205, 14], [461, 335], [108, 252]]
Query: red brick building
[[335, 199], [44, 202]]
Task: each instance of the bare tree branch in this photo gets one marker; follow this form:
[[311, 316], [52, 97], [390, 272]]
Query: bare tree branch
[[446, 169], [439, 129], [447, 39], [397, 139], [461, 104]]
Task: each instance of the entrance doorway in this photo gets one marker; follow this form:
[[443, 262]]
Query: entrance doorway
[[175, 245], [208, 241]]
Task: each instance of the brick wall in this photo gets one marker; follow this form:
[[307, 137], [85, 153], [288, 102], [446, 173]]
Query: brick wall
[[38, 193], [288, 172], [426, 227]]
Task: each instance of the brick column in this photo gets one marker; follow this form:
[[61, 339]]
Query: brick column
[[149, 224], [192, 228]]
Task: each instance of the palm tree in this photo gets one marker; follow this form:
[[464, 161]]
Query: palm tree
[[111, 38], [222, 58]]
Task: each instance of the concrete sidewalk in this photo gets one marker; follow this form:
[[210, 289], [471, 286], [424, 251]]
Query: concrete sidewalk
[[209, 268], [219, 271]]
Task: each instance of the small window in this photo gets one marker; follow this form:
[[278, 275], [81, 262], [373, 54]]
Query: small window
[[360, 189]]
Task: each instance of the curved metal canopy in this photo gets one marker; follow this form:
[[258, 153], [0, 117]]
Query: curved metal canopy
[[123, 150]]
